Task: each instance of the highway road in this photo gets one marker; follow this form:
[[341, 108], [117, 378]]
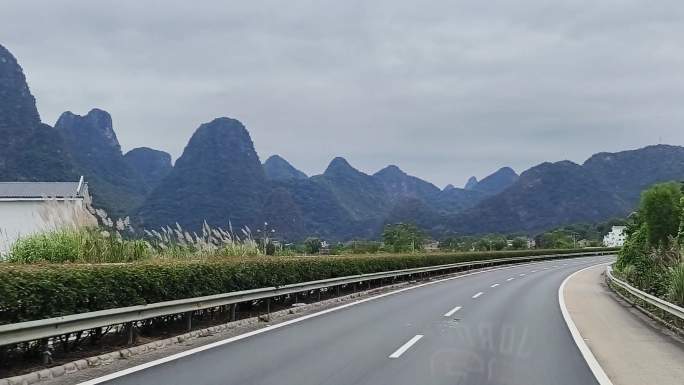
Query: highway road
[[502, 327]]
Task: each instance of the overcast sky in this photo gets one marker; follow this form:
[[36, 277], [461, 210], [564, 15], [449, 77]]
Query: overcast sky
[[443, 89]]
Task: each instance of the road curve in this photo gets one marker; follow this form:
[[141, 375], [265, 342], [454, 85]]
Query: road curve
[[502, 327]]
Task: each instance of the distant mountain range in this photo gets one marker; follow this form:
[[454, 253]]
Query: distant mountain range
[[219, 178], [29, 149]]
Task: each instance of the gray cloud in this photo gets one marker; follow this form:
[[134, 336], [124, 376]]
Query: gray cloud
[[444, 89]]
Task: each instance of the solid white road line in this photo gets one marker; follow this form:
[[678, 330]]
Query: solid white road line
[[477, 295], [406, 346], [495, 285], [595, 367], [452, 311], [510, 279], [212, 345]]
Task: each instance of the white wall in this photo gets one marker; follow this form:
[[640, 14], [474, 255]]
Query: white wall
[[21, 218], [616, 237]]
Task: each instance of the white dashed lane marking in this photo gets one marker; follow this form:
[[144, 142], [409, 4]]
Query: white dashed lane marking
[[452, 311], [406, 346]]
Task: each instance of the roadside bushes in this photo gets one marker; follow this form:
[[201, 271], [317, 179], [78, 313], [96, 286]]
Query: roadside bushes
[[651, 257], [676, 287], [637, 265], [30, 292]]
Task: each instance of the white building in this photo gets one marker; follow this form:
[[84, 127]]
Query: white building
[[32, 207], [616, 237]]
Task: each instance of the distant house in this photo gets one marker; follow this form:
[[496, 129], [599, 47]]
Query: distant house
[[431, 245], [32, 207], [615, 238], [325, 248], [582, 243]]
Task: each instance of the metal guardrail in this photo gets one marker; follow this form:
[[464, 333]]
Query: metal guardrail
[[50, 327], [670, 308]]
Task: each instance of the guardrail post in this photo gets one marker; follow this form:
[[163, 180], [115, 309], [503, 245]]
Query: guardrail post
[[233, 310], [338, 290], [46, 353], [319, 295], [188, 320], [268, 309], [95, 336], [130, 330]]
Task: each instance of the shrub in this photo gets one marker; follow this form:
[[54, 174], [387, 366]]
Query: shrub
[[30, 292], [675, 291], [627, 272]]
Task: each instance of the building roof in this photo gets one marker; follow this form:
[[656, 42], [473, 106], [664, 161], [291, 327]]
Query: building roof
[[33, 190]]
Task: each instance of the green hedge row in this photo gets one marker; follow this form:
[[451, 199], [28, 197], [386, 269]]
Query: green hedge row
[[30, 292]]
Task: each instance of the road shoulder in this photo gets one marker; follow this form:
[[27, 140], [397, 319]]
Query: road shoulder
[[630, 349]]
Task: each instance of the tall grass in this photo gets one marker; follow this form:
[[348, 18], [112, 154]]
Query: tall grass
[[98, 245], [85, 245], [87, 235], [212, 242], [676, 287]]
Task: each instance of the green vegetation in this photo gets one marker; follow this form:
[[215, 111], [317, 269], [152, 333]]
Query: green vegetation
[[676, 288], [565, 237], [312, 245], [33, 291], [115, 243], [491, 242], [403, 237], [85, 245], [651, 258], [661, 211], [361, 247]]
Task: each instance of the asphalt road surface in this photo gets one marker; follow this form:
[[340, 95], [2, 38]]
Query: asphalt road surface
[[502, 327]]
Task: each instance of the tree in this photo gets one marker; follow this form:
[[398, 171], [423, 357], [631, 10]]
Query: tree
[[557, 239], [482, 245], [402, 237], [498, 243], [312, 245], [648, 254], [519, 243], [660, 211]]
